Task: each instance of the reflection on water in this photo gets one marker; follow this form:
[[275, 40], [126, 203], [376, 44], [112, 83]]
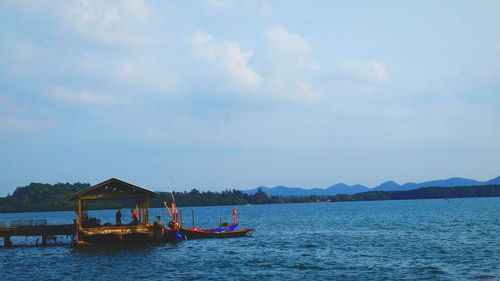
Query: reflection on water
[[416, 239]]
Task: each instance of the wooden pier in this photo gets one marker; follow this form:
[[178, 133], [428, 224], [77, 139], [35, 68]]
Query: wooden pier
[[43, 231], [88, 231]]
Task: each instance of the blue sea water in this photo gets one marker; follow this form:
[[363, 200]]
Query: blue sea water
[[383, 240]]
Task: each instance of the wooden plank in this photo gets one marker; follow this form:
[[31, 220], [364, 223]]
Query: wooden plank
[[66, 229]]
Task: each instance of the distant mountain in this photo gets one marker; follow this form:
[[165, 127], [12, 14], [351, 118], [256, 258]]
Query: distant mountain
[[339, 188], [387, 186], [451, 182], [493, 181], [342, 188], [286, 191]]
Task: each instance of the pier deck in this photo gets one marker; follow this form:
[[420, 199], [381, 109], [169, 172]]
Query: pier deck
[[36, 230]]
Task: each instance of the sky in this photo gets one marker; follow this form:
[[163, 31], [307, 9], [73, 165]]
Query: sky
[[224, 94]]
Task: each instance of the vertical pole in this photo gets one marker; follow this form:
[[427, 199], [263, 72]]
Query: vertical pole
[[192, 216], [78, 221], [146, 209], [44, 240], [79, 211], [76, 229], [181, 218], [174, 213], [143, 217], [139, 211]]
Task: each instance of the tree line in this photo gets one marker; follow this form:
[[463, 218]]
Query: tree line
[[47, 197]]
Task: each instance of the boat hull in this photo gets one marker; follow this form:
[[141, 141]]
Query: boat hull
[[191, 234]]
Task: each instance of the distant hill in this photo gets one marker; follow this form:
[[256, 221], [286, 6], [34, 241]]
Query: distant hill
[[451, 182], [286, 191], [494, 181], [342, 188], [339, 188]]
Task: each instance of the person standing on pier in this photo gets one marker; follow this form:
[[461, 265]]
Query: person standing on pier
[[118, 217], [135, 217]]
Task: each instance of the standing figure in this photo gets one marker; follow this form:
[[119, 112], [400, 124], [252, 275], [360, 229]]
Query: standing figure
[[118, 217], [135, 217]]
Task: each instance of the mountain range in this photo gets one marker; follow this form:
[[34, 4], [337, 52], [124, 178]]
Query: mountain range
[[342, 188]]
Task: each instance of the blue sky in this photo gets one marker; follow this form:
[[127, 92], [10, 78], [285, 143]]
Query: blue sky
[[237, 94]]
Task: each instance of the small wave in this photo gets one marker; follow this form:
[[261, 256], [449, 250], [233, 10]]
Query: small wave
[[484, 277], [302, 266]]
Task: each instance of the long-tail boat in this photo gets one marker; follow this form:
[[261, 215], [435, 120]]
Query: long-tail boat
[[196, 233], [227, 231], [179, 233]]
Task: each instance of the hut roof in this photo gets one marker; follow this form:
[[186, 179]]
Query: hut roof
[[112, 189]]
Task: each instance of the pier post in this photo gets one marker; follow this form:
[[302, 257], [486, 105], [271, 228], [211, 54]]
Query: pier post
[[6, 241], [44, 240], [76, 228]]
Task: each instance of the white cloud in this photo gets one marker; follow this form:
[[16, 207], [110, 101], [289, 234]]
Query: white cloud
[[229, 56], [291, 67], [80, 97], [367, 71], [113, 23], [286, 41], [203, 47], [237, 64]]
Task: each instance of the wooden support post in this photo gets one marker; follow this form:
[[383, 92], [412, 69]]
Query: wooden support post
[[76, 229], [44, 240], [141, 210], [79, 220], [146, 208], [80, 212], [6, 241]]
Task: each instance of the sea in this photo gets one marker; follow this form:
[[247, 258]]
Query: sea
[[457, 239]]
